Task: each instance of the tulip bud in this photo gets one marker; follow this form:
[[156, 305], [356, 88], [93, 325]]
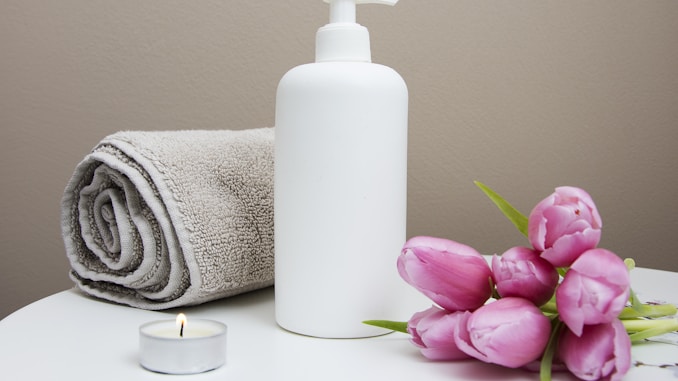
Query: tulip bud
[[453, 275], [564, 225], [510, 331], [432, 331], [594, 290], [602, 351], [521, 272]]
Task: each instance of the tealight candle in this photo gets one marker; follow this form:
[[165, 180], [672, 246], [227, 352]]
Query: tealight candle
[[180, 347]]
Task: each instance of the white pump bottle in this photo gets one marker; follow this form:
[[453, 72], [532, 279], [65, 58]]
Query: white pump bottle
[[340, 184]]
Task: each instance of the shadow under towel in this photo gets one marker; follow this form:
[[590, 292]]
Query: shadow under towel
[[164, 219]]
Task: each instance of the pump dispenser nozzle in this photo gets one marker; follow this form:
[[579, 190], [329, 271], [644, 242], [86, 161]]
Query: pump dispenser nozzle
[[343, 39]]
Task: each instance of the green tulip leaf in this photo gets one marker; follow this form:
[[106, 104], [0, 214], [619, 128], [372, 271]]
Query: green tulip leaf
[[518, 219], [400, 326]]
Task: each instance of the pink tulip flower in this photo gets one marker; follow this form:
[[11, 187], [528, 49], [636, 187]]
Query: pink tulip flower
[[602, 351], [594, 290], [564, 225], [432, 331], [453, 275], [511, 332], [521, 272]]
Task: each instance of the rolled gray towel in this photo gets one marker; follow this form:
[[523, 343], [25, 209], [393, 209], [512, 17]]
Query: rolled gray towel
[[164, 219]]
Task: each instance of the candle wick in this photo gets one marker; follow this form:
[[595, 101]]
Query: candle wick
[[181, 330]]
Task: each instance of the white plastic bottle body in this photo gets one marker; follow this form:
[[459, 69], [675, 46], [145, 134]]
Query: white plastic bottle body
[[340, 196]]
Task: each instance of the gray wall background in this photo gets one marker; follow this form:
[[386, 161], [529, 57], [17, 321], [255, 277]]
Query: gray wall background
[[524, 95]]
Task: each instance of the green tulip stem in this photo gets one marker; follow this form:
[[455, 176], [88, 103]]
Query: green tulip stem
[[547, 359], [550, 307], [641, 329], [642, 310], [648, 310]]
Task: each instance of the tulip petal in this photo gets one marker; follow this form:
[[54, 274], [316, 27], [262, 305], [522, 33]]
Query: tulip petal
[[558, 221], [564, 225], [462, 338], [536, 224], [569, 247], [521, 272], [453, 275], [432, 331], [510, 331], [594, 290], [602, 351], [574, 194]]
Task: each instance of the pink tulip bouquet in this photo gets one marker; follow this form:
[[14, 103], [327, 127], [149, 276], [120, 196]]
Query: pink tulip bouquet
[[561, 301]]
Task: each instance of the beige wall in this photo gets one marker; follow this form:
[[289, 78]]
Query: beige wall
[[524, 95]]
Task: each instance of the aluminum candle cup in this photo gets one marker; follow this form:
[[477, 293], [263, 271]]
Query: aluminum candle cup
[[198, 347]]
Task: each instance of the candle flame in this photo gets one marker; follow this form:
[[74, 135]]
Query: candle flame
[[181, 320]]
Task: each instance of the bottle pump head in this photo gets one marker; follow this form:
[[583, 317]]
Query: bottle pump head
[[343, 39]]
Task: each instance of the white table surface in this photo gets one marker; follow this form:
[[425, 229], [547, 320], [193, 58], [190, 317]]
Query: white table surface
[[69, 336]]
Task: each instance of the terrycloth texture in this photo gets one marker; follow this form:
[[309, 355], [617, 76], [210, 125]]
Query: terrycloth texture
[[164, 219]]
